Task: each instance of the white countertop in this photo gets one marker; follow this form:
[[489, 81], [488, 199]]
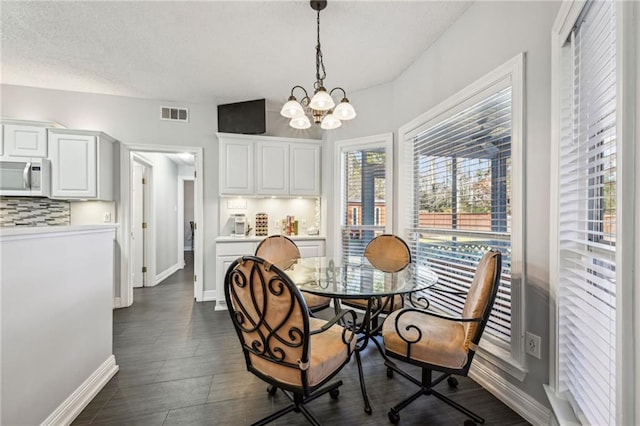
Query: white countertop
[[9, 233], [230, 239]]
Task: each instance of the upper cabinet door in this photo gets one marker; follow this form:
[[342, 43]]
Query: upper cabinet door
[[272, 168], [236, 167], [73, 165], [25, 141], [305, 169]]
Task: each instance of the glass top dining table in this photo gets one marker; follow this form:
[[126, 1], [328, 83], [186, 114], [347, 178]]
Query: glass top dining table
[[354, 277]]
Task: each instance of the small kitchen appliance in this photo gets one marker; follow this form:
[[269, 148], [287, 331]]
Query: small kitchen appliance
[[238, 224]]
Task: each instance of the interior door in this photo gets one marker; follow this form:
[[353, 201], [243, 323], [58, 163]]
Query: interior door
[[137, 219]]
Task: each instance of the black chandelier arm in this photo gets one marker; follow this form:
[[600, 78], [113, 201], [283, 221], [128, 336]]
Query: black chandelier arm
[[344, 94], [306, 95]]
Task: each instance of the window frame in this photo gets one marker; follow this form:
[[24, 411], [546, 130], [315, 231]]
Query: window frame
[[511, 360], [383, 140], [627, 207]]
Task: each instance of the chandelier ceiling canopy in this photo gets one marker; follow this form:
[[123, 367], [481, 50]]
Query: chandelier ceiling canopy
[[321, 107]]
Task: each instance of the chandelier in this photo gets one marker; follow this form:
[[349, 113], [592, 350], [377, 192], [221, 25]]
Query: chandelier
[[321, 106]]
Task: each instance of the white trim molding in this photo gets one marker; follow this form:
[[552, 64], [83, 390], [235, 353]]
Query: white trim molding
[[210, 296], [512, 73], [511, 395], [126, 289], [383, 140], [166, 273], [82, 396]]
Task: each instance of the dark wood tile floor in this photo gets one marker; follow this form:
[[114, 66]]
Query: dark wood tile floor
[[181, 364]]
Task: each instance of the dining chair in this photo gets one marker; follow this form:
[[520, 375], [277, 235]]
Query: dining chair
[[281, 343], [441, 343], [279, 248], [388, 253]]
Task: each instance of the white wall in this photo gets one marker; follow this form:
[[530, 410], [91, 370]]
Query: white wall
[[56, 320], [487, 35]]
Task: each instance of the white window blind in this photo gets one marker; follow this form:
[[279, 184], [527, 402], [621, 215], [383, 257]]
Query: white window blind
[[364, 198], [587, 218], [461, 173]]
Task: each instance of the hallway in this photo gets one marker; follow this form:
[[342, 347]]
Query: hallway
[[181, 364]]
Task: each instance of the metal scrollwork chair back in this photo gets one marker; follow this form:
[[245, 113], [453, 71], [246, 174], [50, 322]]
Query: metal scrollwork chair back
[[441, 343], [277, 335]]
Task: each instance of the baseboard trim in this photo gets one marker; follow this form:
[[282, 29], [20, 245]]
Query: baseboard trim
[[166, 273], [117, 303], [209, 295], [511, 395], [221, 305], [82, 396]]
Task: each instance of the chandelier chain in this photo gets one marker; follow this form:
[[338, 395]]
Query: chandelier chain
[[319, 62]]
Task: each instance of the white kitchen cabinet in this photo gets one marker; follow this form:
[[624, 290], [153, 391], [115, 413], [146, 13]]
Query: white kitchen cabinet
[[81, 164], [283, 166], [25, 141], [236, 166], [226, 253], [229, 249], [272, 166], [304, 169], [311, 248]]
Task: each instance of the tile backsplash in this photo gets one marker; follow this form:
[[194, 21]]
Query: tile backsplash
[[25, 211]]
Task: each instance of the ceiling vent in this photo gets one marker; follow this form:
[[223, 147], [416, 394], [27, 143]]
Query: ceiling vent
[[174, 114]]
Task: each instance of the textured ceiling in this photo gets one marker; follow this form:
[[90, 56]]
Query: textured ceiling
[[222, 51]]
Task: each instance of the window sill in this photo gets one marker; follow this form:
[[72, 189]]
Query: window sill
[[561, 408], [502, 359]]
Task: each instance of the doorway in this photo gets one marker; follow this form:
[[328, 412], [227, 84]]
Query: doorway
[[158, 248]]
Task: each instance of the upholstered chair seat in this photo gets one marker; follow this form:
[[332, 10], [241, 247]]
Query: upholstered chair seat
[[281, 343], [327, 354], [436, 342], [442, 342]]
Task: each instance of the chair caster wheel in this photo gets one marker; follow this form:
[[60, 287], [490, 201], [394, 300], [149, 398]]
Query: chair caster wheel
[[453, 382], [272, 390], [389, 373], [334, 393], [368, 410], [394, 417]]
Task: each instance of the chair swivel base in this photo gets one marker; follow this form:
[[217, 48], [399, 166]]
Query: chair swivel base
[[426, 388], [298, 403]]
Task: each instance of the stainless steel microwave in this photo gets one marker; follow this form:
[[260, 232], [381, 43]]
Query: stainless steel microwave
[[30, 177]]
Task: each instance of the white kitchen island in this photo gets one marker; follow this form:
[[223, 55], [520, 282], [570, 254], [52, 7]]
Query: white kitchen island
[[56, 295]]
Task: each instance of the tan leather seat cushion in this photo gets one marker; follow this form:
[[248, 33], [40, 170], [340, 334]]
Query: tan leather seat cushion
[[314, 301], [442, 342], [327, 352]]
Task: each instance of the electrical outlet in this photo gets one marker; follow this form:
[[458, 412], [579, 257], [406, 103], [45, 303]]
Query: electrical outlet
[[106, 218], [532, 343], [304, 223]]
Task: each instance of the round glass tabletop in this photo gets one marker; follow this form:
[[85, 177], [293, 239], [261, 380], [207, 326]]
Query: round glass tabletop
[[354, 277]]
